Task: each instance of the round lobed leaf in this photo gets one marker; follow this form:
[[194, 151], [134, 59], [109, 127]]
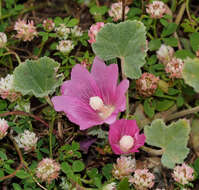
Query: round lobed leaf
[[37, 77], [126, 40]]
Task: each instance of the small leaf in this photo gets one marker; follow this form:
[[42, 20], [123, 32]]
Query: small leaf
[[78, 166], [154, 44], [3, 105], [127, 41], [171, 139], [149, 109], [22, 174], [194, 40], [3, 156], [190, 73], [16, 186], [163, 105], [124, 184], [73, 22], [183, 54], [170, 29], [107, 171], [171, 41], [37, 77]]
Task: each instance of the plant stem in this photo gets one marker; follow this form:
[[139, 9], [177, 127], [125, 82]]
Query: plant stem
[[154, 28], [14, 53], [182, 113], [123, 9], [127, 94], [187, 9], [50, 137], [49, 101], [152, 151]]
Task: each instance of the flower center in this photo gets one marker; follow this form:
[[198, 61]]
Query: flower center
[[126, 143], [97, 104]]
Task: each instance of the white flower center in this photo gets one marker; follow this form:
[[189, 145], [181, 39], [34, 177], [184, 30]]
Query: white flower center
[[126, 143], [96, 103]]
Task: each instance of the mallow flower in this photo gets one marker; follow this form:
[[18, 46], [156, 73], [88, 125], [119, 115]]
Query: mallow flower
[[90, 99], [124, 137]]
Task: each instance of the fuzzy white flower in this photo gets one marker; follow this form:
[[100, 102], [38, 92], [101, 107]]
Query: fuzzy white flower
[[48, 170], [116, 11], [6, 88], [3, 39], [156, 9], [165, 53], [65, 46], [3, 128], [77, 31], [27, 140], [62, 31]]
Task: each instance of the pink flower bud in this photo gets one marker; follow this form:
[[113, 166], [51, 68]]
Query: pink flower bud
[[94, 29], [3, 128]]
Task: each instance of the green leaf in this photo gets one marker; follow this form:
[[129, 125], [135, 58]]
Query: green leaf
[[73, 22], [78, 166], [171, 139], [191, 73], [148, 108], [194, 40], [183, 54], [170, 29], [3, 105], [98, 10], [3, 156], [37, 77], [124, 184], [127, 41], [171, 41], [22, 174], [154, 44], [16, 186], [107, 171], [163, 105]]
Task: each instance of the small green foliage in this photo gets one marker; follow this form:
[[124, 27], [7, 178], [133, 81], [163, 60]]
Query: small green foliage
[[37, 77], [171, 139], [127, 41], [124, 184], [190, 73]]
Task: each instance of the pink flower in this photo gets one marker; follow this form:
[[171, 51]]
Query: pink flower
[[156, 9], [183, 174], [142, 179], [174, 68], [116, 11], [147, 84], [48, 25], [25, 31], [94, 29], [124, 167], [3, 128], [124, 137], [48, 170], [90, 99]]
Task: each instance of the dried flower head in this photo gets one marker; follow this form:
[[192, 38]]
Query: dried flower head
[[183, 174], [25, 30], [77, 31], [124, 167], [90, 99], [3, 128], [6, 89], [110, 186], [156, 9], [116, 11], [3, 39], [174, 68], [165, 53], [27, 140], [62, 32], [48, 25], [124, 137], [65, 46], [147, 84], [48, 170], [142, 179], [94, 29]]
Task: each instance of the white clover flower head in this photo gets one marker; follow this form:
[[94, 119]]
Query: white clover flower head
[[3, 128], [174, 68], [6, 88], [48, 170], [62, 31], [116, 11], [48, 25], [110, 186], [27, 140], [165, 53], [142, 179], [76, 31], [183, 174], [25, 30], [147, 84], [3, 39], [65, 46], [124, 167], [156, 9]]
